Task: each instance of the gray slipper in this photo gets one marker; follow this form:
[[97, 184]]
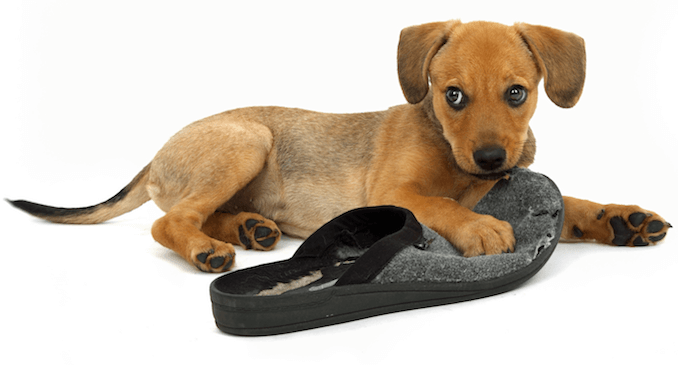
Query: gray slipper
[[378, 260]]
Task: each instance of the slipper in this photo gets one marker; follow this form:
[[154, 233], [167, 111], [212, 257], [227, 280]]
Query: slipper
[[378, 260]]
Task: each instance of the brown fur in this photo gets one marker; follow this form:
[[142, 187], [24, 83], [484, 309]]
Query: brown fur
[[243, 176]]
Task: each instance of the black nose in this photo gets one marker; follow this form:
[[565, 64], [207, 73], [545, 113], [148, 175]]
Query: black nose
[[490, 158]]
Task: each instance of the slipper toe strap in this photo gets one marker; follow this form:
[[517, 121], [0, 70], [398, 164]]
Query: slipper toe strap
[[372, 262]]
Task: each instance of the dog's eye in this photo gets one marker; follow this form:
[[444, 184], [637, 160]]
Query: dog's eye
[[455, 98], [516, 95]]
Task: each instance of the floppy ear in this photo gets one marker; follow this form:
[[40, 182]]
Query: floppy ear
[[418, 45], [561, 57]]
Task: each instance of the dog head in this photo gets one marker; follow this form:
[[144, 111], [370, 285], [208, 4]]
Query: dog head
[[480, 81]]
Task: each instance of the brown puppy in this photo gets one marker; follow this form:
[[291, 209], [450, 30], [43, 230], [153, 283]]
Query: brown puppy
[[243, 176]]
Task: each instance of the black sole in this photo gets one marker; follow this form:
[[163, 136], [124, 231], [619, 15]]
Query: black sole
[[248, 315]]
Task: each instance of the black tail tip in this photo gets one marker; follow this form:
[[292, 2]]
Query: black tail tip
[[31, 208], [16, 203]]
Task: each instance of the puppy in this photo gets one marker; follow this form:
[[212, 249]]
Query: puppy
[[244, 176]]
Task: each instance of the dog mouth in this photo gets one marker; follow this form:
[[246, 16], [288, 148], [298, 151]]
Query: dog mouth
[[494, 175]]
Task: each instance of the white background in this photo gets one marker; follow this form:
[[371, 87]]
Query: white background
[[89, 91]]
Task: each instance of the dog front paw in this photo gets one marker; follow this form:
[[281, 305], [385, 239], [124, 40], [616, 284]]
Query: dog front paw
[[623, 225], [639, 228], [484, 235]]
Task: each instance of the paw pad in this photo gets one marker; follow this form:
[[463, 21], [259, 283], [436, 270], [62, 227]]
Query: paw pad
[[213, 263], [637, 218], [636, 231], [255, 234]]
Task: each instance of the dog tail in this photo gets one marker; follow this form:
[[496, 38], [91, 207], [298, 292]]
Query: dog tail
[[128, 199]]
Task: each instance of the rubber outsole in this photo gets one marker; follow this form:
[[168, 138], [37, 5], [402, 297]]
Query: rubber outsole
[[247, 315]]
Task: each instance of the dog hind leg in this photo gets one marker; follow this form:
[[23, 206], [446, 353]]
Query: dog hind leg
[[194, 229], [179, 230], [197, 171]]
